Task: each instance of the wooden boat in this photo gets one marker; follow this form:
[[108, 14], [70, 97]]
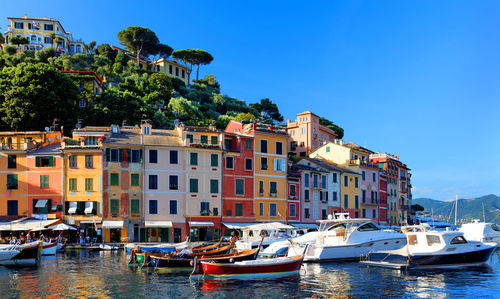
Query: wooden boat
[[49, 248], [8, 253], [280, 266], [209, 247], [29, 255]]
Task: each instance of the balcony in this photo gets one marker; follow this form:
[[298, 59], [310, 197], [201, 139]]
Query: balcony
[[197, 143], [23, 146], [205, 212]]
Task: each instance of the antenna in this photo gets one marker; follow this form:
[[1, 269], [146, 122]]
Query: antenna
[[47, 129]]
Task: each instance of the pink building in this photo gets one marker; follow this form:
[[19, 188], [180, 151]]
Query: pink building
[[306, 134]]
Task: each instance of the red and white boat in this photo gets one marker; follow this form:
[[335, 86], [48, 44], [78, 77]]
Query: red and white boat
[[49, 248], [280, 266]]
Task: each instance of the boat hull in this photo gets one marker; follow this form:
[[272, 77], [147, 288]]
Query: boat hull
[[352, 252], [28, 255], [169, 264], [6, 255], [49, 249]]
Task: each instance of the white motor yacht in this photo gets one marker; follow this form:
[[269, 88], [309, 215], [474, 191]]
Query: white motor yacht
[[428, 248], [281, 248], [349, 239], [272, 232], [481, 231]]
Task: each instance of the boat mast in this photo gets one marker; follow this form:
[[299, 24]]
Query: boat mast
[[484, 217], [456, 204]]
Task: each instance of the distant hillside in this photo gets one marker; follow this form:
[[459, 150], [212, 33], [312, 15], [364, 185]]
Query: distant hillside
[[467, 208]]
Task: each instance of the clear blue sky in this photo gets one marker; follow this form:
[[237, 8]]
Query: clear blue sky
[[416, 78]]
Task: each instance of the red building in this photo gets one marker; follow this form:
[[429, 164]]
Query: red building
[[382, 211], [238, 182], [293, 195]]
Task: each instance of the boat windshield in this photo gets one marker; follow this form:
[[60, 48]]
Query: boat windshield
[[458, 240], [337, 227], [495, 227], [368, 227]]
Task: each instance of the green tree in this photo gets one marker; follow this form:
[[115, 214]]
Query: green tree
[[139, 40], [245, 117], [91, 47], [268, 110], [184, 109], [33, 95], [58, 41], [44, 54], [19, 40], [11, 50], [329, 124], [417, 207], [2, 39], [107, 51], [163, 51], [193, 57]]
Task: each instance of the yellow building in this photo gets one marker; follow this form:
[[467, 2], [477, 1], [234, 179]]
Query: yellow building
[[174, 69], [82, 175], [38, 32], [14, 148]]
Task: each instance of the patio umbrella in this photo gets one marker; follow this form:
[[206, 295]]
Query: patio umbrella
[[62, 226]]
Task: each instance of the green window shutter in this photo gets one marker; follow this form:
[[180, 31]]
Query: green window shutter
[[94, 207], [214, 186], [189, 137], [120, 153], [248, 144], [108, 154], [214, 140], [239, 209], [72, 184], [194, 159], [214, 160], [51, 161], [134, 179], [129, 155], [114, 179], [193, 185], [204, 139], [115, 206], [35, 209], [135, 206], [89, 184], [38, 159], [44, 181], [240, 186]]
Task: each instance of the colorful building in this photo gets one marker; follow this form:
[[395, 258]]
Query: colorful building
[[82, 178], [164, 186], [270, 169], [14, 187], [382, 209], [294, 192], [238, 180], [173, 69], [38, 32], [306, 134], [203, 164]]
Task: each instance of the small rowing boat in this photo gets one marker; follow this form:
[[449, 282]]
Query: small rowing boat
[[49, 248]]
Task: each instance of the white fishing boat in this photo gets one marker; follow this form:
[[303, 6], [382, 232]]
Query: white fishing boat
[[349, 239], [272, 232], [481, 231], [7, 253], [49, 248], [427, 248]]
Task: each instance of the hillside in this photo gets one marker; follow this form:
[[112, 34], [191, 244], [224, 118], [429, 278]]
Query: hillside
[[467, 208]]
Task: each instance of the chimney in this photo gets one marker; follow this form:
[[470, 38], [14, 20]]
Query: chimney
[[146, 127], [115, 129]]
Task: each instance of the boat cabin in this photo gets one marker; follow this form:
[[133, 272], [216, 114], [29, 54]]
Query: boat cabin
[[275, 230]]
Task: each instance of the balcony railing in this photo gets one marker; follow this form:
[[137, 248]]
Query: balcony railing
[[22, 146]]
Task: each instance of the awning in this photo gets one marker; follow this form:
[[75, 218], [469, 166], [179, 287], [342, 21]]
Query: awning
[[237, 225], [200, 223], [112, 224], [72, 207], [157, 224], [89, 206], [305, 225], [90, 221], [41, 203]]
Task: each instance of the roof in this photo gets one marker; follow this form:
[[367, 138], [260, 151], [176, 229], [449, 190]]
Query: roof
[[49, 149], [85, 73], [355, 146], [25, 17], [331, 166], [157, 61], [201, 129], [162, 137], [306, 112], [125, 137], [93, 129]]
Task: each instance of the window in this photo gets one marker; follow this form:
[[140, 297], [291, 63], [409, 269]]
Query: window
[[11, 181], [204, 139], [153, 156], [263, 146], [374, 214], [228, 213], [91, 140], [293, 191], [315, 180], [323, 181], [458, 240], [279, 164], [303, 131], [173, 182], [193, 185], [373, 177], [135, 156], [248, 144], [248, 164], [368, 227], [44, 181], [214, 186], [173, 207], [89, 184], [153, 182], [229, 163], [356, 184], [48, 27], [190, 138], [279, 148], [170, 69], [356, 201], [363, 213], [273, 188], [205, 208], [114, 207], [214, 160], [114, 155], [306, 213], [72, 184], [47, 40], [363, 196], [214, 140], [72, 161], [346, 181], [153, 206], [324, 215], [177, 71], [174, 157], [261, 187], [238, 208], [306, 195], [193, 159], [19, 25], [261, 209], [11, 163], [263, 163], [346, 201], [135, 206], [272, 210], [183, 74], [114, 179], [239, 186], [45, 161], [306, 179], [89, 161], [334, 195], [293, 212], [134, 179]]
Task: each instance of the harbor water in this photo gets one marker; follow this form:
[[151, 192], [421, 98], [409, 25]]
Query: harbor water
[[106, 274]]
